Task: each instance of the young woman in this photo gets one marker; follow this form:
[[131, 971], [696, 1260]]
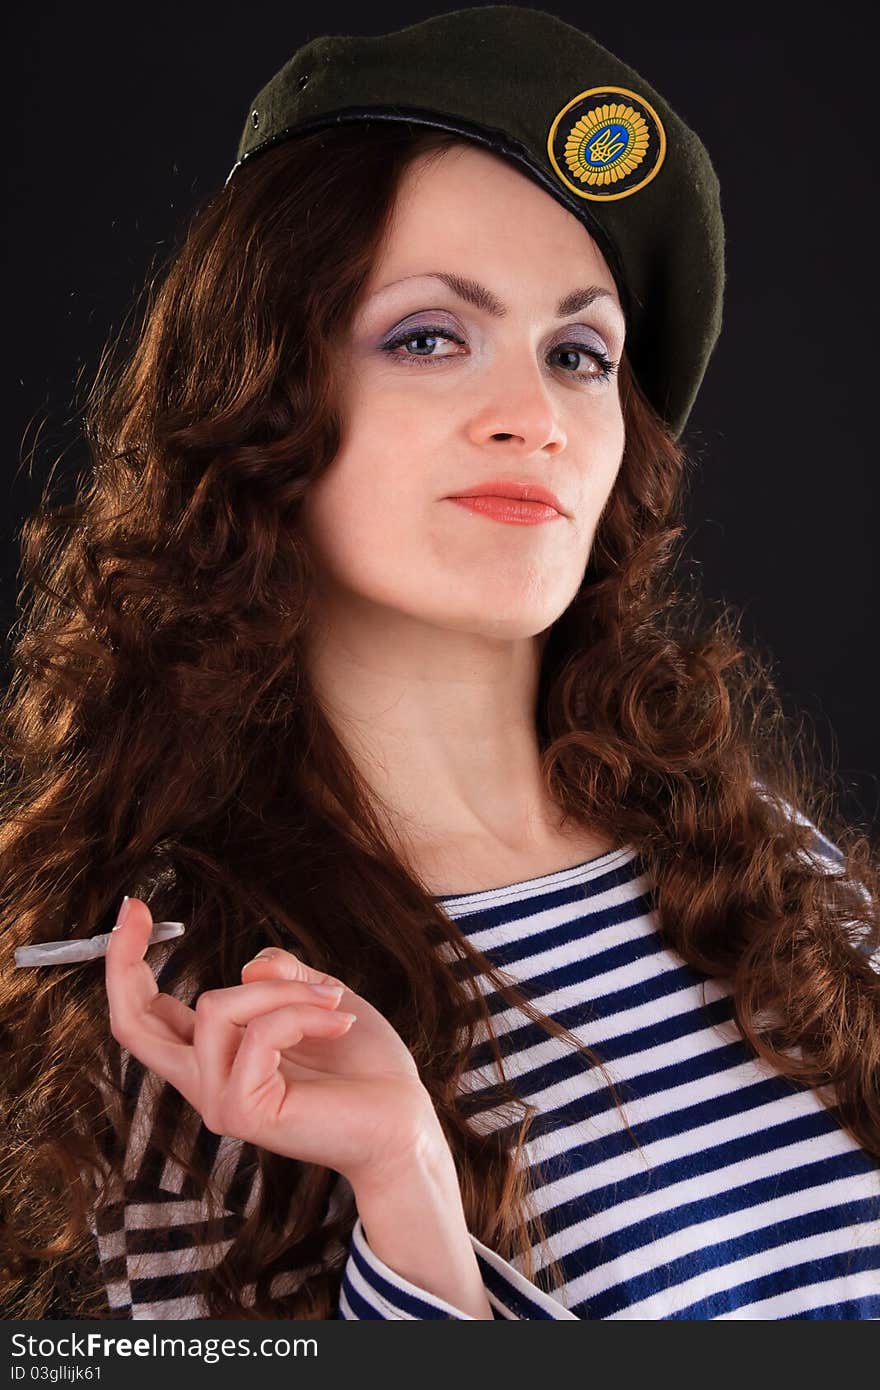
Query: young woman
[[363, 645]]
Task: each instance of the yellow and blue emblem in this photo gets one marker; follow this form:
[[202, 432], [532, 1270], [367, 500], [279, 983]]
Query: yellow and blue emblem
[[606, 143]]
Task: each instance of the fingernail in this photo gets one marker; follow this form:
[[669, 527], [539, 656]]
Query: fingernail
[[122, 915], [265, 954], [328, 991]]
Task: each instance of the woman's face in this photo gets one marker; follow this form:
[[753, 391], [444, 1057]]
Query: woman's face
[[506, 388]]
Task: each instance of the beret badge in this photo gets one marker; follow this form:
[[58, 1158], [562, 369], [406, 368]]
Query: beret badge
[[606, 143]]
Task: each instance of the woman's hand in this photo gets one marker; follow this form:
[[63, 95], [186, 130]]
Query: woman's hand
[[276, 1064]]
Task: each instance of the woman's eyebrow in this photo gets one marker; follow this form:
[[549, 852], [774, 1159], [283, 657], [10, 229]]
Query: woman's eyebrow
[[482, 298]]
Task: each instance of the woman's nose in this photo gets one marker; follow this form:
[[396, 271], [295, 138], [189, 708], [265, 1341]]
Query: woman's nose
[[515, 406]]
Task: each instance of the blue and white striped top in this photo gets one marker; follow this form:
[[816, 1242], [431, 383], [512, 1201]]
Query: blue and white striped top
[[742, 1198]]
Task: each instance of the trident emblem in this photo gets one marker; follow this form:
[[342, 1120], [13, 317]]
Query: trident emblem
[[603, 147]]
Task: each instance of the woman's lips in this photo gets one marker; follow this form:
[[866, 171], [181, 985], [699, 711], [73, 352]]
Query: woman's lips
[[509, 509]]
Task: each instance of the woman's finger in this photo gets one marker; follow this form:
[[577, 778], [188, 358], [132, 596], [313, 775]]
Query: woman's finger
[[180, 1019], [222, 1016], [254, 1074], [273, 962], [155, 1028], [131, 984]]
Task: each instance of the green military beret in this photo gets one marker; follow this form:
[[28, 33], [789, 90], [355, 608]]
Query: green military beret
[[572, 116]]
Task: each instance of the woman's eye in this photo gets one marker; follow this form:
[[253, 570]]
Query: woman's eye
[[606, 368], [422, 336], [425, 339]]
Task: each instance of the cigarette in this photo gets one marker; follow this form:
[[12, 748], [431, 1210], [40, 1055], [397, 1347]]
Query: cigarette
[[89, 948]]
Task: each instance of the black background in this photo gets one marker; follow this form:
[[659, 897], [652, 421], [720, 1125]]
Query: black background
[[119, 119]]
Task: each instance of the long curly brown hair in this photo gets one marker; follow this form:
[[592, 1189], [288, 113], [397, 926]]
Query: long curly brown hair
[[161, 738]]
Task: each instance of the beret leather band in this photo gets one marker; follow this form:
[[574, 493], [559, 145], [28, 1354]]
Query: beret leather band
[[570, 115]]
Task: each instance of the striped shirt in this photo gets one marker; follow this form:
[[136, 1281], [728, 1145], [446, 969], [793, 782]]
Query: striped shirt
[[741, 1197]]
